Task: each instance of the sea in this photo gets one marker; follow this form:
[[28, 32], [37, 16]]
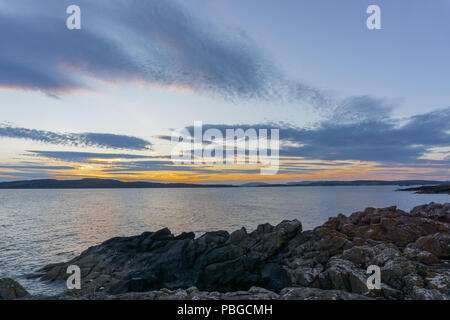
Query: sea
[[38, 227]]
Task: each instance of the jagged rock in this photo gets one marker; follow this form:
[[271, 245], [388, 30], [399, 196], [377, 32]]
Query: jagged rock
[[238, 236], [10, 290], [304, 275], [434, 211], [387, 253], [214, 262], [329, 262], [345, 275], [388, 224], [395, 270]]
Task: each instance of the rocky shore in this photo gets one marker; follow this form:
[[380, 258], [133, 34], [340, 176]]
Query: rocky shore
[[439, 189], [276, 262], [10, 290]]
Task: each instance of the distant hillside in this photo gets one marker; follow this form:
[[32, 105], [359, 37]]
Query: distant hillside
[[116, 184], [97, 184]]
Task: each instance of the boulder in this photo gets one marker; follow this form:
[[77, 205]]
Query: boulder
[[437, 244]]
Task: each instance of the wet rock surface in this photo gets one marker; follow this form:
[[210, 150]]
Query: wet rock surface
[[10, 290], [277, 262]]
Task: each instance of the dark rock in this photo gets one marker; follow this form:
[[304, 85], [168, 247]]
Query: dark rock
[[10, 290], [163, 234], [438, 244], [330, 262], [275, 277], [238, 236], [434, 211], [185, 235]]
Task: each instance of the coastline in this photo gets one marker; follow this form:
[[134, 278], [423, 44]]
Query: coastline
[[275, 262], [439, 189]]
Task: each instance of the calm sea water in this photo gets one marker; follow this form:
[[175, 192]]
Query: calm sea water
[[38, 227]]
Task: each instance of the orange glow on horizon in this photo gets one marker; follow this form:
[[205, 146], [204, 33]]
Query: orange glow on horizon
[[290, 169]]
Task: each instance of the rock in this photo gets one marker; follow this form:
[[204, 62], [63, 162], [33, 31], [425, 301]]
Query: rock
[[305, 276], [274, 276], [434, 211], [386, 253], [390, 293], [344, 275], [186, 236], [422, 256], [238, 236], [440, 282], [359, 255], [329, 262], [388, 224], [419, 293], [217, 261], [318, 294], [254, 293], [10, 290], [438, 244]]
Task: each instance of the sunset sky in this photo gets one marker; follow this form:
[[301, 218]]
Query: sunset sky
[[102, 102]]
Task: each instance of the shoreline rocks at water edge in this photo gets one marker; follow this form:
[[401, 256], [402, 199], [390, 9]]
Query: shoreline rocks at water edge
[[276, 262]]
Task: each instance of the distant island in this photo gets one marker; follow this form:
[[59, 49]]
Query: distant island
[[440, 189], [349, 183], [91, 183]]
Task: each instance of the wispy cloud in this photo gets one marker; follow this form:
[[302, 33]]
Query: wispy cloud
[[156, 42], [35, 167], [100, 140], [74, 156]]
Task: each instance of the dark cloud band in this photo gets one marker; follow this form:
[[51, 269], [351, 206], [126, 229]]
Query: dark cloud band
[[360, 131], [100, 140]]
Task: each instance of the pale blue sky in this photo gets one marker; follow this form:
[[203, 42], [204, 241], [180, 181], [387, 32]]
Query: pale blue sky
[[326, 43]]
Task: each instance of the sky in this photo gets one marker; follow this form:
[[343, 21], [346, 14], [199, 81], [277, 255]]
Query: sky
[[102, 102]]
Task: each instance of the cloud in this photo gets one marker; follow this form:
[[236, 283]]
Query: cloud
[[157, 165], [36, 167], [362, 135], [156, 42], [373, 139], [101, 140], [163, 137], [132, 164], [357, 109], [74, 156]]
